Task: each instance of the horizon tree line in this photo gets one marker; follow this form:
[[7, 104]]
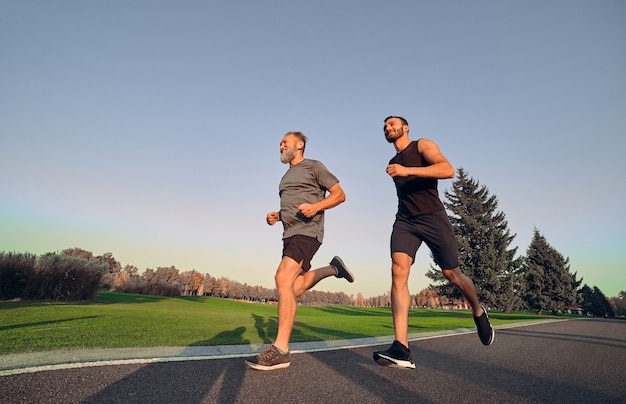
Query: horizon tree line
[[540, 280]]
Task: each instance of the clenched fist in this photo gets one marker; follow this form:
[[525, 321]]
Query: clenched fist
[[308, 210], [272, 218], [396, 170]]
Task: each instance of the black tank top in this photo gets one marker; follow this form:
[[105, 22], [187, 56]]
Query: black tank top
[[416, 195]]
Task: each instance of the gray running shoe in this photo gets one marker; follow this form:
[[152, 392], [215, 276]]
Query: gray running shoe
[[485, 330], [269, 359], [397, 356], [342, 271]]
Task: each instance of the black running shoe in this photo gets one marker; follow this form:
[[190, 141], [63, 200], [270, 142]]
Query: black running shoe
[[397, 356], [342, 271], [485, 330], [269, 359]]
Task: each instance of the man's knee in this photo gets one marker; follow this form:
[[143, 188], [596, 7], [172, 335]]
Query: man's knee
[[400, 268], [454, 276], [287, 272], [281, 279]]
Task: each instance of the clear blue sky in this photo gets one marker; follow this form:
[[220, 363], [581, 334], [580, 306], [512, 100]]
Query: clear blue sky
[[150, 129]]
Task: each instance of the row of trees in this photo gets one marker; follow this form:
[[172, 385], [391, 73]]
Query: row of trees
[[540, 280], [169, 281], [76, 274]]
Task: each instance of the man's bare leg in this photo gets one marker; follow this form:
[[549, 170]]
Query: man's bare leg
[[286, 275], [309, 279], [400, 296], [466, 286], [292, 282]]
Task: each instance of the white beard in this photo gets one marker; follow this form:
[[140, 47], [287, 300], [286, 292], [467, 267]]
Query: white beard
[[288, 154]]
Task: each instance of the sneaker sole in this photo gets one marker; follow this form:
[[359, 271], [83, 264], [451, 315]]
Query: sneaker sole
[[256, 366], [390, 362], [493, 338], [349, 277], [493, 332]]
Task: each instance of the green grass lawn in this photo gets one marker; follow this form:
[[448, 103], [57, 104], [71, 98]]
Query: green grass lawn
[[117, 320]]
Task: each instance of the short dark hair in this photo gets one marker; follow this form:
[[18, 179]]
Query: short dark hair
[[404, 121]]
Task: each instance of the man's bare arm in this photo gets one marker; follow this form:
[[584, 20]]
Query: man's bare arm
[[335, 197], [439, 168]]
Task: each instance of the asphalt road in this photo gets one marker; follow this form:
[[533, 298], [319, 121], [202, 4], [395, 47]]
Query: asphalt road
[[578, 361]]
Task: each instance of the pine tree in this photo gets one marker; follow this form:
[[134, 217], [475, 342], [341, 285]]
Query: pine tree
[[483, 240], [550, 285], [587, 300], [595, 302]]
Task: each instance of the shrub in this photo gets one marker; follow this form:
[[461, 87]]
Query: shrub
[[51, 277], [125, 283], [16, 270], [64, 278], [129, 284], [162, 288]]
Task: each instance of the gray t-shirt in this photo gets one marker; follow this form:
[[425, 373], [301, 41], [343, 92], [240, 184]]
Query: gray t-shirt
[[306, 182]]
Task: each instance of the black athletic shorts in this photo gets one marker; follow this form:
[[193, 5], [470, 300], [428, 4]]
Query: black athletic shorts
[[435, 230], [301, 248]]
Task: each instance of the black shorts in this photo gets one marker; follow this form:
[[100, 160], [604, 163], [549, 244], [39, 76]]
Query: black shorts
[[435, 230], [301, 248]]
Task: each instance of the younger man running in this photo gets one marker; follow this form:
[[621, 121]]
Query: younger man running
[[421, 216]]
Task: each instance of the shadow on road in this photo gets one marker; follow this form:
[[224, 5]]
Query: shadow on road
[[558, 362]]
